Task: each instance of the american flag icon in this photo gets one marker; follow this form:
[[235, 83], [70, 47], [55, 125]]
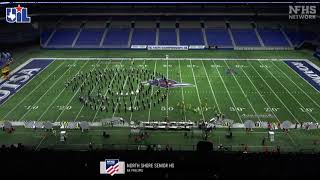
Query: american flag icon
[[112, 167]]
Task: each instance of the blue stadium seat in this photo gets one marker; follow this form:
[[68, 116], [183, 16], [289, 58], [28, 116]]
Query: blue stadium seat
[[245, 37], [90, 36], [144, 36], [218, 37], [44, 35], [64, 36], [191, 36], [117, 36], [273, 37], [297, 37], [167, 36]]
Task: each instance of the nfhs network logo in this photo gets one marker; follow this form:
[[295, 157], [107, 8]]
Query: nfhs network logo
[[302, 12], [17, 15]]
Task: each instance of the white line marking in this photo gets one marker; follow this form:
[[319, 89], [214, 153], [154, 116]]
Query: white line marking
[[295, 83], [44, 137], [245, 96], [55, 99], [135, 98], [19, 67], [228, 92], [258, 92], [154, 73], [289, 93], [70, 99], [39, 85], [105, 93], [124, 84], [182, 94], [274, 93], [197, 92], [167, 90], [214, 96], [39, 99], [163, 59], [90, 94]]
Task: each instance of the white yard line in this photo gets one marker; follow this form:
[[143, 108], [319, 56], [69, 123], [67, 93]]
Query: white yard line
[[295, 83], [70, 99], [95, 116], [162, 59], [90, 94], [274, 92], [292, 140], [245, 95], [259, 92], [18, 68], [154, 73], [43, 95], [224, 84], [182, 94], [44, 137], [197, 92], [214, 96], [34, 89], [289, 93], [55, 99], [135, 98], [167, 90], [124, 85]]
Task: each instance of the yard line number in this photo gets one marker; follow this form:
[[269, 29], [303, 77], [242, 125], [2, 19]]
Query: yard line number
[[239, 109], [306, 110], [64, 108], [164, 108], [271, 109], [31, 107]]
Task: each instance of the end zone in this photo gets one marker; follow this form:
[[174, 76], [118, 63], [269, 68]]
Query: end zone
[[306, 70], [21, 76]]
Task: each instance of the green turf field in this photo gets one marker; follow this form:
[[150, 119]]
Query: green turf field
[[298, 140], [265, 90]]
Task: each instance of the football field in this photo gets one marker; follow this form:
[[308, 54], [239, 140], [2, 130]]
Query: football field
[[242, 89]]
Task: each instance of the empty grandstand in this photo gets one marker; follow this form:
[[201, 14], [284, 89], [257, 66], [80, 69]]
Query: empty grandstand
[[122, 34]]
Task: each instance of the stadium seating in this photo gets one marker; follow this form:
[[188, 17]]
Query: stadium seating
[[122, 34], [90, 37], [117, 37], [218, 37], [45, 34], [63, 36], [190, 36], [273, 37], [245, 37], [167, 36], [144, 36], [297, 37]]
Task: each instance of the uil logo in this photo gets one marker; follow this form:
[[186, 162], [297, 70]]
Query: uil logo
[[17, 15]]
